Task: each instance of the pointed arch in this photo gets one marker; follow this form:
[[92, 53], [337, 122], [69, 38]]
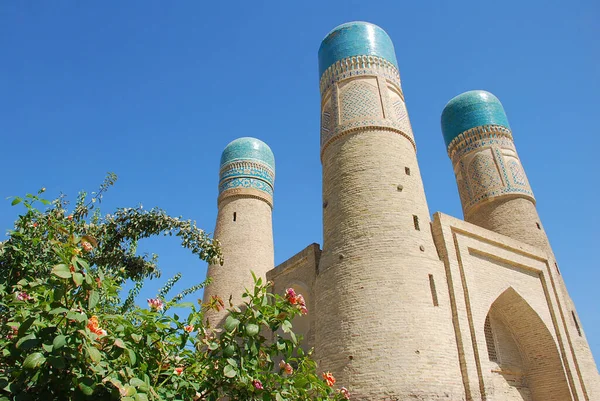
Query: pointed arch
[[526, 354]]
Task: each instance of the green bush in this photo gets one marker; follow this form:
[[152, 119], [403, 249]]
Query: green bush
[[66, 334]]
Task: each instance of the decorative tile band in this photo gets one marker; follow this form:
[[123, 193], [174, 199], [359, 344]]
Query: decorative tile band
[[359, 66], [487, 166], [361, 93], [247, 168], [463, 142], [246, 174]]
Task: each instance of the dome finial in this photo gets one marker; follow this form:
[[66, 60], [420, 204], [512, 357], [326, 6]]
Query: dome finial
[[469, 110], [356, 38]]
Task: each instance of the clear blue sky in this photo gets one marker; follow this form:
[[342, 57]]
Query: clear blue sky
[[154, 91]]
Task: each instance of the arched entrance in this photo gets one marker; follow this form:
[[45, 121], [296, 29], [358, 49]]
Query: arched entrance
[[523, 357]]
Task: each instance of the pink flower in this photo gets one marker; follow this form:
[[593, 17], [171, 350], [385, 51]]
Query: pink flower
[[303, 310], [257, 384], [178, 371], [345, 393], [300, 300], [286, 367], [23, 296], [156, 304], [86, 246], [189, 328], [290, 295]]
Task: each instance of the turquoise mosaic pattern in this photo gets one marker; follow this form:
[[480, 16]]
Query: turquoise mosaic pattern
[[247, 163], [355, 39], [490, 173], [248, 149], [471, 109], [246, 183]]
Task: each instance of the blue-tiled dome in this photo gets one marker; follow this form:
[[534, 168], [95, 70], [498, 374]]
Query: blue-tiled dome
[[248, 149], [469, 110], [355, 39]]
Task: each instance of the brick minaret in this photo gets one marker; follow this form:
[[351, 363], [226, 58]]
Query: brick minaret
[[382, 328], [244, 221], [495, 194]]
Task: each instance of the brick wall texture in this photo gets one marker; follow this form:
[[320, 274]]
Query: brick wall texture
[[402, 307], [247, 245]]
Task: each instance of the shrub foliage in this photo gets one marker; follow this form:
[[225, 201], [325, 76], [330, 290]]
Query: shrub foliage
[[66, 333]]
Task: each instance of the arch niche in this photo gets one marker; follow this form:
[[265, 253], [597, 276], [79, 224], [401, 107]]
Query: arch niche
[[523, 356]]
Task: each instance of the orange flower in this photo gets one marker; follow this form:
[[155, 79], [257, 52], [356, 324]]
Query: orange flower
[[94, 327], [286, 367], [86, 246], [189, 328], [329, 379], [178, 371]]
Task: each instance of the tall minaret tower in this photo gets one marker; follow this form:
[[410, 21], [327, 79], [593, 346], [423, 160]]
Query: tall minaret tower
[[382, 328], [244, 221], [496, 195]]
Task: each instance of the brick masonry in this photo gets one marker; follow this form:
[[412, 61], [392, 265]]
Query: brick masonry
[[402, 307]]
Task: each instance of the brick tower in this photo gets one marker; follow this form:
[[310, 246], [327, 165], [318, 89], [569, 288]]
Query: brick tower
[[244, 220], [381, 327], [496, 195]]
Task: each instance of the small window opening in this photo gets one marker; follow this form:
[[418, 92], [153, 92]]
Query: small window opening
[[576, 323], [557, 269], [407, 170], [489, 339], [234, 216], [538, 226], [416, 222], [433, 291]]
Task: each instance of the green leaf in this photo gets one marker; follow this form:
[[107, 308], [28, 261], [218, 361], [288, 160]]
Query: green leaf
[[28, 337], [47, 347], [61, 271], [141, 397], [34, 360], [57, 362], [139, 384], [78, 279], [58, 310], [93, 299], [82, 262], [278, 397], [15, 201], [131, 356], [87, 386], [229, 371], [77, 316], [119, 343], [94, 354], [26, 325], [59, 341], [136, 337], [232, 362], [286, 326]]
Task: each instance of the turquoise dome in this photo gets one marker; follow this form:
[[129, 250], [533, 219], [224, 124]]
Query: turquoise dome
[[248, 149], [469, 110], [355, 39]]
